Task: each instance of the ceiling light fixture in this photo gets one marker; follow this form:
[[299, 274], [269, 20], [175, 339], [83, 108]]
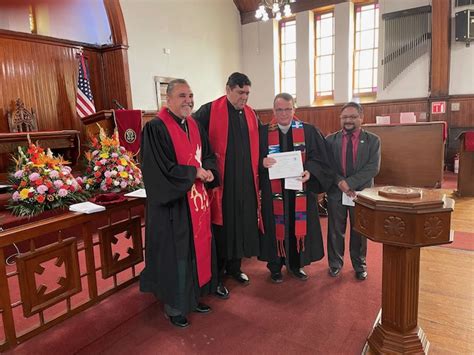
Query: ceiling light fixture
[[275, 8]]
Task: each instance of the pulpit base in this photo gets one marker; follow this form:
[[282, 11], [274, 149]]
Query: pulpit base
[[385, 341]]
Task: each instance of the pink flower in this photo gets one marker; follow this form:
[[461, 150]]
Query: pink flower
[[34, 176], [53, 174], [103, 161], [123, 184], [120, 168], [58, 184], [62, 192], [42, 189], [95, 152], [107, 174], [16, 196], [103, 187], [114, 155], [18, 174]]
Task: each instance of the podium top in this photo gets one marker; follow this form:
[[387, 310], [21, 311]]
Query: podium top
[[403, 199]]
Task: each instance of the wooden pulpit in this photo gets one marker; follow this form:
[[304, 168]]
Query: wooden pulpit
[[104, 118], [404, 220]]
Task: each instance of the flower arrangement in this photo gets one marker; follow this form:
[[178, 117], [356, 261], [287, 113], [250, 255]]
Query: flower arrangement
[[42, 182], [110, 168]]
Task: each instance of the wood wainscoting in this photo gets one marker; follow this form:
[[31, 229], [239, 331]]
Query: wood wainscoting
[[326, 118]]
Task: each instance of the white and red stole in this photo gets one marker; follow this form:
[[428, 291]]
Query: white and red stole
[[188, 152], [218, 131]]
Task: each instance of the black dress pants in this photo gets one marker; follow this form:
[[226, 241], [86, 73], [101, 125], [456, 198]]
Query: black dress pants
[[337, 221]]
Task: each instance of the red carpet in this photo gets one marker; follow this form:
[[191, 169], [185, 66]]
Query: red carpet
[[323, 315], [462, 240]]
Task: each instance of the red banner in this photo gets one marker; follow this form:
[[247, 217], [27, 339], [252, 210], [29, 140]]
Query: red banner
[[129, 126]]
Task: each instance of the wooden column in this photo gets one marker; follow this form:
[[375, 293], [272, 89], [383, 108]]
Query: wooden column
[[400, 285]]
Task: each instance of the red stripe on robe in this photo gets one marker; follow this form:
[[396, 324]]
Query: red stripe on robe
[[188, 152], [218, 132]]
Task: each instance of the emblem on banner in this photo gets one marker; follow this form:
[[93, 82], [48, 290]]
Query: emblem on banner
[[130, 136]]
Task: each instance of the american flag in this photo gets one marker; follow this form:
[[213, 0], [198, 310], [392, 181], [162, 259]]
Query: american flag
[[84, 100]]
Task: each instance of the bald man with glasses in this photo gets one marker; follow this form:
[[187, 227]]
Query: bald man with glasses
[[355, 155]]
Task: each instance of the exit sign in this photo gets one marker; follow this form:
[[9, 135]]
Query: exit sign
[[438, 107]]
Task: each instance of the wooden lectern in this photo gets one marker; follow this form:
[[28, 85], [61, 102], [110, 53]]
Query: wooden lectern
[[404, 220], [104, 118]]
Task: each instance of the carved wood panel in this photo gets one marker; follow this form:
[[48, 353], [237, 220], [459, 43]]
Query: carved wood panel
[[113, 262], [32, 266]]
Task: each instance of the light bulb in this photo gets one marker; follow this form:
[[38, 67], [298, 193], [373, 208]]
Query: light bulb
[[258, 14], [265, 16], [278, 16], [287, 10], [275, 8]]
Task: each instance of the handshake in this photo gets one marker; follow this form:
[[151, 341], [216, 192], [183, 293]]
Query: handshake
[[204, 175]]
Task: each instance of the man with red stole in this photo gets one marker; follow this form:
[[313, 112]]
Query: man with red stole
[[233, 134], [177, 163], [292, 229]]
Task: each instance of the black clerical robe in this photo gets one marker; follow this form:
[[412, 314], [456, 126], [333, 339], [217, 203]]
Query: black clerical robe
[[170, 262], [238, 236], [321, 177]]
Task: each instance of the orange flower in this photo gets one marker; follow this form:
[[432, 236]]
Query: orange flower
[[40, 198]]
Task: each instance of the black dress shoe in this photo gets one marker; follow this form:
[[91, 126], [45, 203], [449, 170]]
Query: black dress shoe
[[276, 277], [222, 292], [202, 308], [361, 275], [334, 271], [241, 278], [299, 274], [178, 321]]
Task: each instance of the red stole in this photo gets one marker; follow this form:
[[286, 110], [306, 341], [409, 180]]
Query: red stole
[[188, 152], [300, 213], [218, 131]]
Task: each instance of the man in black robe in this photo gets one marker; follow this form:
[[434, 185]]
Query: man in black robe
[[171, 265], [233, 135], [292, 229]]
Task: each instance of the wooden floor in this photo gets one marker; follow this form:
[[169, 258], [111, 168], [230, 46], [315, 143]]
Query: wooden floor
[[446, 303]]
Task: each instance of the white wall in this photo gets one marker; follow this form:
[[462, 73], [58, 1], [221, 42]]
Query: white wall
[[259, 43], [203, 37], [461, 78], [15, 18], [77, 20]]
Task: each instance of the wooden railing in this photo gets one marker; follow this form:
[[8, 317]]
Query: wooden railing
[[84, 253]]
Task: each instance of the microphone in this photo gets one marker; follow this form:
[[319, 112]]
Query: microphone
[[116, 103]]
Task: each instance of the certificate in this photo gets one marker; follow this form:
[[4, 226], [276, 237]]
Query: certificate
[[293, 183], [288, 164]]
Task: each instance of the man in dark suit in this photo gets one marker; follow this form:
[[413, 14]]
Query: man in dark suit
[[355, 155]]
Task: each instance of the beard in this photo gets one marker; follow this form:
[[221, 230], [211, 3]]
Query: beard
[[349, 127]]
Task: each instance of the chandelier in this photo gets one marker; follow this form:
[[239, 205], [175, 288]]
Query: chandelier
[[276, 7]]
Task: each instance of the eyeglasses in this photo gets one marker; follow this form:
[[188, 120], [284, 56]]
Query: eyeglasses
[[352, 117], [285, 110]]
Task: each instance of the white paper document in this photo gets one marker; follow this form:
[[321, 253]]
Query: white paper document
[[347, 200], [294, 183], [288, 164], [86, 207], [141, 193], [407, 117]]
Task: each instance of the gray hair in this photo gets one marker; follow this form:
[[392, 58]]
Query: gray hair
[[284, 96], [173, 83]]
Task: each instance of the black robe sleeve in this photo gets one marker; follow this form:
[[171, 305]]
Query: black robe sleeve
[[317, 160], [203, 116], [165, 180]]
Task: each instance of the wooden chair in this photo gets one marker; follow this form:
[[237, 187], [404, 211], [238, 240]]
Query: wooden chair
[[22, 120]]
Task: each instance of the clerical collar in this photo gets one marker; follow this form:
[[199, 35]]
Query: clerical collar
[[284, 129], [180, 120]]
